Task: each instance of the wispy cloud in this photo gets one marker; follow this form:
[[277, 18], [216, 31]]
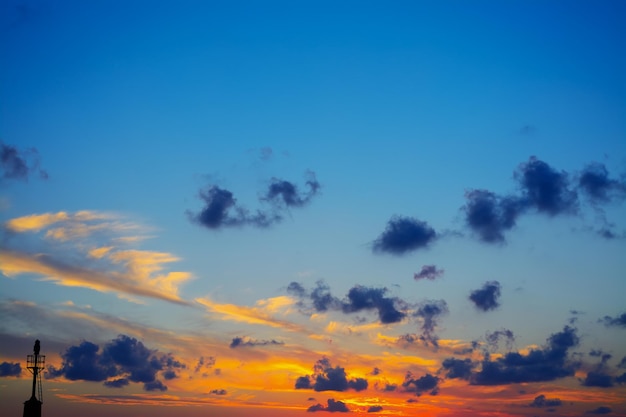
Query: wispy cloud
[[17, 164], [88, 256]]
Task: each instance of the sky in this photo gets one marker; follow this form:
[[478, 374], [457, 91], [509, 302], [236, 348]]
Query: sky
[[276, 208]]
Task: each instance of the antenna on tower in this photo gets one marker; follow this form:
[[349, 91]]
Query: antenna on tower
[[35, 364]]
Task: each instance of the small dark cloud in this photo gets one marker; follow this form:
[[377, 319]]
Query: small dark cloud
[[622, 363], [359, 298], [430, 311], [10, 369], [489, 215], [618, 321], [493, 339], [18, 164], [333, 406], [545, 364], [546, 189], [218, 392], [328, 378], [403, 235], [430, 272], [375, 409], [204, 363], [281, 193], [458, 368], [486, 298], [222, 210], [124, 358], [376, 371], [426, 383], [322, 298], [594, 182], [600, 410], [364, 298], [541, 401], [247, 342]]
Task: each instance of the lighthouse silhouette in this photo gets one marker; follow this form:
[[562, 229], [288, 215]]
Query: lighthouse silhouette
[[35, 364]]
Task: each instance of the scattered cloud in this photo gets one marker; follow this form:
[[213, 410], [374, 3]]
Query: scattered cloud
[[486, 298], [618, 321], [16, 164], [218, 392], [325, 377], [545, 190], [430, 311], [221, 209], [10, 369], [403, 235], [430, 272], [121, 361], [544, 364], [427, 383], [458, 368], [595, 183], [248, 342], [375, 409], [333, 406], [541, 401], [600, 410], [359, 298], [489, 215]]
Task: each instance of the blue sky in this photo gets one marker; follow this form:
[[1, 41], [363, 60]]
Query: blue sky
[[122, 115]]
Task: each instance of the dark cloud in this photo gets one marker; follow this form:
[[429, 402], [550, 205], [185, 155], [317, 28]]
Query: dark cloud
[[541, 401], [328, 378], [363, 298], [296, 289], [404, 234], [493, 339], [489, 215], [622, 363], [221, 209], [486, 298], [545, 364], [19, 165], [10, 369], [546, 189], [430, 311], [458, 368], [375, 409], [283, 193], [359, 298], [376, 371], [322, 299], [598, 379], [600, 410], [422, 384], [333, 406], [430, 272], [204, 363], [218, 392], [595, 183], [125, 359], [245, 341], [619, 321]]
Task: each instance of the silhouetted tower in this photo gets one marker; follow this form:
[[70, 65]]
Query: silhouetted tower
[[35, 364]]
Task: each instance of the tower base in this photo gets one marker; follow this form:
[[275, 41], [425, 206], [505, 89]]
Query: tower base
[[32, 408]]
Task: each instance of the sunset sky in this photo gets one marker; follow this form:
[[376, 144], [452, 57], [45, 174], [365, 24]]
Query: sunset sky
[[277, 208]]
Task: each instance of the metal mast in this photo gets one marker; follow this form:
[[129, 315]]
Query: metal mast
[[35, 364]]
